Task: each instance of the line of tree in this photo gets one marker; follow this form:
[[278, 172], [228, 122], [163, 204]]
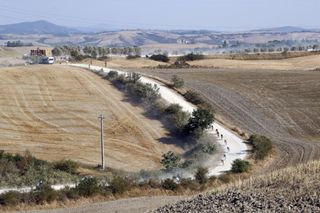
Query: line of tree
[[18, 44], [94, 51]]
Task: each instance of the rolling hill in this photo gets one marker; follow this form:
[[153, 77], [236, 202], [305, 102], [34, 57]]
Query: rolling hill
[[36, 27]]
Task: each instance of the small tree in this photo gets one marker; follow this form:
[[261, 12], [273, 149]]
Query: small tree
[[201, 175], [88, 187], [118, 185], [67, 166], [170, 160], [200, 120], [240, 166], [169, 184], [177, 81], [262, 146]]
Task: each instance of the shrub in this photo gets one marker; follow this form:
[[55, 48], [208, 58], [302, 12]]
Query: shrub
[[262, 146], [112, 75], [194, 97], [118, 185], [201, 175], [173, 109], [133, 57], [169, 184], [170, 160], [160, 57], [146, 92], [240, 166], [46, 194], [209, 148], [134, 77], [192, 57], [9, 199], [177, 81], [67, 166], [88, 187]]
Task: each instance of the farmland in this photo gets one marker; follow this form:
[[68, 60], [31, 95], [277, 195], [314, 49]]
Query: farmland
[[283, 105], [52, 111]]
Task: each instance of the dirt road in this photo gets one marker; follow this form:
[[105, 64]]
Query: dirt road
[[53, 112], [132, 205], [233, 149], [283, 105]]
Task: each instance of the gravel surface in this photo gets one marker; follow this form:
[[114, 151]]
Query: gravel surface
[[132, 205], [237, 201]]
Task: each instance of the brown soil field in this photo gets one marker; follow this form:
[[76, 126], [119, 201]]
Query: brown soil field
[[283, 105], [298, 63], [53, 112], [122, 62]]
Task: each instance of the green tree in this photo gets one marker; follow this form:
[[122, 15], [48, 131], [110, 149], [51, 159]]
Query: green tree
[[200, 120], [240, 166], [201, 175], [170, 160], [262, 146]]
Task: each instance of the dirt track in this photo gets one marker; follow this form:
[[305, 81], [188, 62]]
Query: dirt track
[[52, 111], [283, 105]]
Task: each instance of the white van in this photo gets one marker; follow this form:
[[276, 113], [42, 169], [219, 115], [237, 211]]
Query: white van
[[47, 60]]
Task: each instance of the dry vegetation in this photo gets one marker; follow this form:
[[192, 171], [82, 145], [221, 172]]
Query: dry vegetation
[[283, 105], [122, 62], [287, 190], [297, 63], [52, 111]]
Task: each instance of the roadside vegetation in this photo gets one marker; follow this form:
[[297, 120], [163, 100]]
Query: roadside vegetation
[[81, 53], [103, 185], [262, 146], [26, 170], [160, 57]]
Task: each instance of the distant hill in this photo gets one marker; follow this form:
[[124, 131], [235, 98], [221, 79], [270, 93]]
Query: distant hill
[[285, 29], [36, 27]]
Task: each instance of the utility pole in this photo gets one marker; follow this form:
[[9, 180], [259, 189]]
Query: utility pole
[[101, 117]]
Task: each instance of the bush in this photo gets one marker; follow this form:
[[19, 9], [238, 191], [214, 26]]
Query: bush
[[240, 166], [262, 146], [112, 75], [134, 77], [67, 166], [160, 57], [9, 199], [46, 194], [194, 97], [209, 148], [88, 187], [169, 184], [133, 57], [118, 185], [192, 57], [173, 109], [177, 81], [146, 92], [201, 175], [170, 160]]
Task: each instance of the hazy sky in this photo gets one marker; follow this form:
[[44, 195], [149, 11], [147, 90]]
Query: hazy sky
[[166, 14]]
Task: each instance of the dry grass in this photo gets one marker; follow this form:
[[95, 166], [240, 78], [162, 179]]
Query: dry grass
[[52, 111], [283, 105], [299, 63], [122, 62], [300, 178]]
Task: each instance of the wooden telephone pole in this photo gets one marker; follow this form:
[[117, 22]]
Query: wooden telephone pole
[[101, 117]]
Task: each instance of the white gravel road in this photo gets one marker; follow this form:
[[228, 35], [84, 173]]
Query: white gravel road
[[237, 147]]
